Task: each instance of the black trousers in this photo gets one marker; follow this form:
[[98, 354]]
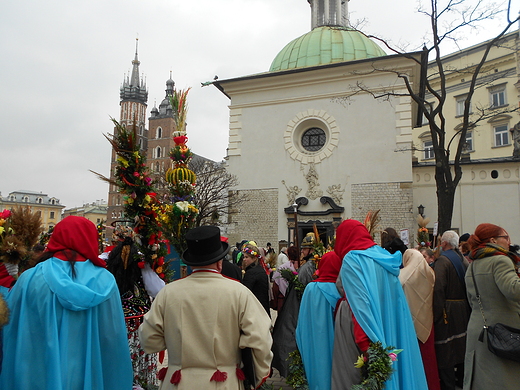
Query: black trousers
[[451, 377]]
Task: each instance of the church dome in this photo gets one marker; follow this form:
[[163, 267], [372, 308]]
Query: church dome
[[326, 45]]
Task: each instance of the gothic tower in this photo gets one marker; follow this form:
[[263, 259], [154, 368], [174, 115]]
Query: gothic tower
[[133, 96], [162, 125]]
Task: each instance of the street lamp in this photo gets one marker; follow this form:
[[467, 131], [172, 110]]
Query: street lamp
[[296, 241], [421, 210]]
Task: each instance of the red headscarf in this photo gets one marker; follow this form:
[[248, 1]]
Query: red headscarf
[[76, 234], [483, 234], [329, 267], [352, 235]]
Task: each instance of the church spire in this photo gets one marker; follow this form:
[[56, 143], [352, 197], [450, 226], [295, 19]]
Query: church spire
[[329, 13], [134, 88], [134, 81]]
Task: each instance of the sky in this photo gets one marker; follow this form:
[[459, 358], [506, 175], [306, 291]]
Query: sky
[[63, 62]]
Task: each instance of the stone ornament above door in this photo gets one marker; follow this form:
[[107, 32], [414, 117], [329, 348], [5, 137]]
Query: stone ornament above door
[[303, 140]]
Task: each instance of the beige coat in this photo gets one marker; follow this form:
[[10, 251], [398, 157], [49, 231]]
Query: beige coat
[[203, 321], [418, 280], [499, 287]]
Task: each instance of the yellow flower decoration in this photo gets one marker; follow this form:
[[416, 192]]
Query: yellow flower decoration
[[360, 362], [123, 161]]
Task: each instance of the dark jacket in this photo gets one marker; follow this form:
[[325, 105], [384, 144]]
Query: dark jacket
[[231, 270], [257, 281], [451, 313]]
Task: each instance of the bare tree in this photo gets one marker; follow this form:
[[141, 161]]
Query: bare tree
[[214, 198], [447, 22]]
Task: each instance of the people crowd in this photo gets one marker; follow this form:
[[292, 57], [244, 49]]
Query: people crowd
[[339, 314]]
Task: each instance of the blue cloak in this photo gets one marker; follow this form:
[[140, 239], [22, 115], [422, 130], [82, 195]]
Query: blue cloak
[[315, 332], [371, 282], [65, 333]]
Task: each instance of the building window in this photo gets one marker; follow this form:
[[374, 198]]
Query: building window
[[12, 198], [39, 200], [468, 146], [501, 135], [158, 152], [460, 100], [158, 133], [497, 96], [313, 139], [25, 199], [428, 150], [51, 215]]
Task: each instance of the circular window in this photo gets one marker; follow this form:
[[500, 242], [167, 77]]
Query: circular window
[[494, 174], [313, 139], [311, 136]]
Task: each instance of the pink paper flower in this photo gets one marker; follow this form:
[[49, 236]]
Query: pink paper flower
[[392, 356]]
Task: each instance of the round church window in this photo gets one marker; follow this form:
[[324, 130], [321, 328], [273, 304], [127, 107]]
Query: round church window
[[311, 136], [313, 139]]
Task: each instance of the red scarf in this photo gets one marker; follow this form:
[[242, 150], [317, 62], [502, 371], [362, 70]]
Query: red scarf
[[328, 268], [352, 235], [76, 235]]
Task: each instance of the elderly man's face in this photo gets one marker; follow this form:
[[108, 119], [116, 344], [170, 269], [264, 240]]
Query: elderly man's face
[[306, 251]]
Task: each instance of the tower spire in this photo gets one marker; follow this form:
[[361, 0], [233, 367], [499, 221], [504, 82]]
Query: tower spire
[[329, 13], [134, 88], [134, 81]]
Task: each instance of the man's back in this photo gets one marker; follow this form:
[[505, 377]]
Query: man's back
[[451, 312], [203, 320]]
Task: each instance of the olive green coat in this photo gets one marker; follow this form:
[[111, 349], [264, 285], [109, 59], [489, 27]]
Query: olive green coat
[[499, 287]]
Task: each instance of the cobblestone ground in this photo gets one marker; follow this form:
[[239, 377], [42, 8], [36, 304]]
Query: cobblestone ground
[[278, 382]]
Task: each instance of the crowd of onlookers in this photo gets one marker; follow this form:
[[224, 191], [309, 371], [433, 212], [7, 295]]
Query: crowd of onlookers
[[78, 320]]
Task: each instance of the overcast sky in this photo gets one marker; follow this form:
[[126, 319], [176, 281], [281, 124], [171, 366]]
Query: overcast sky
[[63, 62]]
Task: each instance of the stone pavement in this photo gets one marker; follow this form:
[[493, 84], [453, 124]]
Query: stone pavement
[[277, 381]]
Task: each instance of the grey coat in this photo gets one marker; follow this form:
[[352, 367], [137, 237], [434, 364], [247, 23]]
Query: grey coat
[[499, 287]]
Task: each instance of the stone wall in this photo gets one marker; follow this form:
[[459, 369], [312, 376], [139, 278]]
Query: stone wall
[[395, 200], [256, 219]]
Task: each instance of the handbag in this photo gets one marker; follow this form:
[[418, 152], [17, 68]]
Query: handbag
[[503, 341]]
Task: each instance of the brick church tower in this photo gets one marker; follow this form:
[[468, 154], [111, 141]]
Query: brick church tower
[[133, 96], [160, 141]]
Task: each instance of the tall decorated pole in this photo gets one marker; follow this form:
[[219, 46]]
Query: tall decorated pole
[[140, 203], [182, 211]]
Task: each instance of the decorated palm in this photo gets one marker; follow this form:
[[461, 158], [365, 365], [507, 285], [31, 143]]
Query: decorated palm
[[181, 213], [140, 202], [423, 236]]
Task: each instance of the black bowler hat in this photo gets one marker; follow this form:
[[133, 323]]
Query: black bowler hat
[[204, 246]]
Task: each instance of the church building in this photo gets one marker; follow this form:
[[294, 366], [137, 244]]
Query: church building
[[308, 137]]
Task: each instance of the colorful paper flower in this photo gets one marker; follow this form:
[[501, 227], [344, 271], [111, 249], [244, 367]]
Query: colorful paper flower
[[360, 362]]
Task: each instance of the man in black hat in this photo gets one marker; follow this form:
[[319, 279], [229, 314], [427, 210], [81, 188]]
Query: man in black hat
[[204, 320]]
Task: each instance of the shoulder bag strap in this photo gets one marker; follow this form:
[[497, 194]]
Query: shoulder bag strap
[[481, 336]]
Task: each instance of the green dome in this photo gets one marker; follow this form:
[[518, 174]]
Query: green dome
[[326, 45]]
